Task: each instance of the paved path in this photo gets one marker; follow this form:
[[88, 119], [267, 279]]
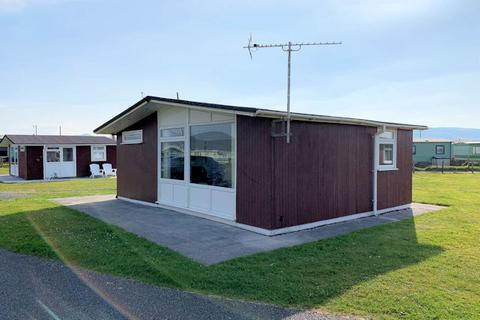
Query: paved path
[[34, 288], [211, 242], [12, 179]]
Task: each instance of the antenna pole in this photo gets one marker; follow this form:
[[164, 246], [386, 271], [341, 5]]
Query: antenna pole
[[287, 47], [288, 89]]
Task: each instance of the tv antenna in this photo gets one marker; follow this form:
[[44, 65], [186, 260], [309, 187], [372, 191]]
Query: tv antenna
[[289, 48]]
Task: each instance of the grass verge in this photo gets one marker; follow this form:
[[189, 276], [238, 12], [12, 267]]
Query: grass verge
[[425, 267], [4, 169]]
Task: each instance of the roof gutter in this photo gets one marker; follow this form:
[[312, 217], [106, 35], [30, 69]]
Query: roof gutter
[[338, 120]]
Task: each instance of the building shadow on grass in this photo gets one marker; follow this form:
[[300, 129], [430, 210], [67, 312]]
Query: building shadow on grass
[[311, 274], [307, 275]]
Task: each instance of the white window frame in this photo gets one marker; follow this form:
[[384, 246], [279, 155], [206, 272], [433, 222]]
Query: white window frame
[[134, 141], [104, 153], [392, 141], [55, 149], [173, 139], [436, 149], [13, 154]]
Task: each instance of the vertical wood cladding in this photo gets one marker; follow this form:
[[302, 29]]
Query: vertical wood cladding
[[325, 172], [34, 162], [255, 190], [137, 163], [22, 163], [84, 159], [395, 187]]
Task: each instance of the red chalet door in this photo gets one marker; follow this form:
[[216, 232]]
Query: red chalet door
[[35, 162]]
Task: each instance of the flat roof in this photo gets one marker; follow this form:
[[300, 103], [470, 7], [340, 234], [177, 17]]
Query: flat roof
[[144, 107], [432, 140], [25, 139], [466, 142]]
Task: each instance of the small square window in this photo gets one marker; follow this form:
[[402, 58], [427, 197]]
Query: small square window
[[99, 153], [440, 149], [387, 150], [67, 154], [132, 137], [386, 154], [53, 154], [279, 128]]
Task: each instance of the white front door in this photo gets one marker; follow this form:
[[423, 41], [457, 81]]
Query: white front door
[[60, 162], [13, 153]]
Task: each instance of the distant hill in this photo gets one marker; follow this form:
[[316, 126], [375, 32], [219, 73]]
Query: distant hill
[[449, 133]]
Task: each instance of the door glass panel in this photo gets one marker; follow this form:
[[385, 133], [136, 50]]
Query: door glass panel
[[172, 161], [13, 155], [67, 154], [53, 155], [211, 155]]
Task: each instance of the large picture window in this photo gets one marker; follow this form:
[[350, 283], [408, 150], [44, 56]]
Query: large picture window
[[172, 160], [211, 154]]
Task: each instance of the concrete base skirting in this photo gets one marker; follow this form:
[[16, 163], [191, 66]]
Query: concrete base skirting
[[267, 232]]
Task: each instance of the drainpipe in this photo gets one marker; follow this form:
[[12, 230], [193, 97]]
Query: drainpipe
[[375, 172]]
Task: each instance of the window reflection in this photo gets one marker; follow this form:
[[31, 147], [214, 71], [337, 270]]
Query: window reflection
[[172, 160], [211, 155]]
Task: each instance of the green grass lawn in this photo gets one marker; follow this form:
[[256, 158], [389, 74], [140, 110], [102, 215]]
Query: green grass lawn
[[427, 267], [4, 169]]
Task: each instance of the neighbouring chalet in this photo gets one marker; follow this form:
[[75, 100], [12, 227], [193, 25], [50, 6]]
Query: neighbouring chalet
[[233, 164], [34, 157]]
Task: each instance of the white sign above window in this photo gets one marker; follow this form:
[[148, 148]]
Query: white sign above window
[[132, 137]]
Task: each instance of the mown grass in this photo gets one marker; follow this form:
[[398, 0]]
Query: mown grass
[[419, 268], [4, 169]]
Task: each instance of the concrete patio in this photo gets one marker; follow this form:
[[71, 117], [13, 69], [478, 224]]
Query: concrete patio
[[210, 242]]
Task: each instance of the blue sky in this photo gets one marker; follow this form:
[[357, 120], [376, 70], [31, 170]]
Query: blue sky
[[78, 63]]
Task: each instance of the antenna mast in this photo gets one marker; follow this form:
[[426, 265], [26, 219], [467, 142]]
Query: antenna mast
[[289, 48]]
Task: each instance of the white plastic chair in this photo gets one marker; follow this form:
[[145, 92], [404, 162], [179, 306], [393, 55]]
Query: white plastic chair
[[108, 170], [95, 171]]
